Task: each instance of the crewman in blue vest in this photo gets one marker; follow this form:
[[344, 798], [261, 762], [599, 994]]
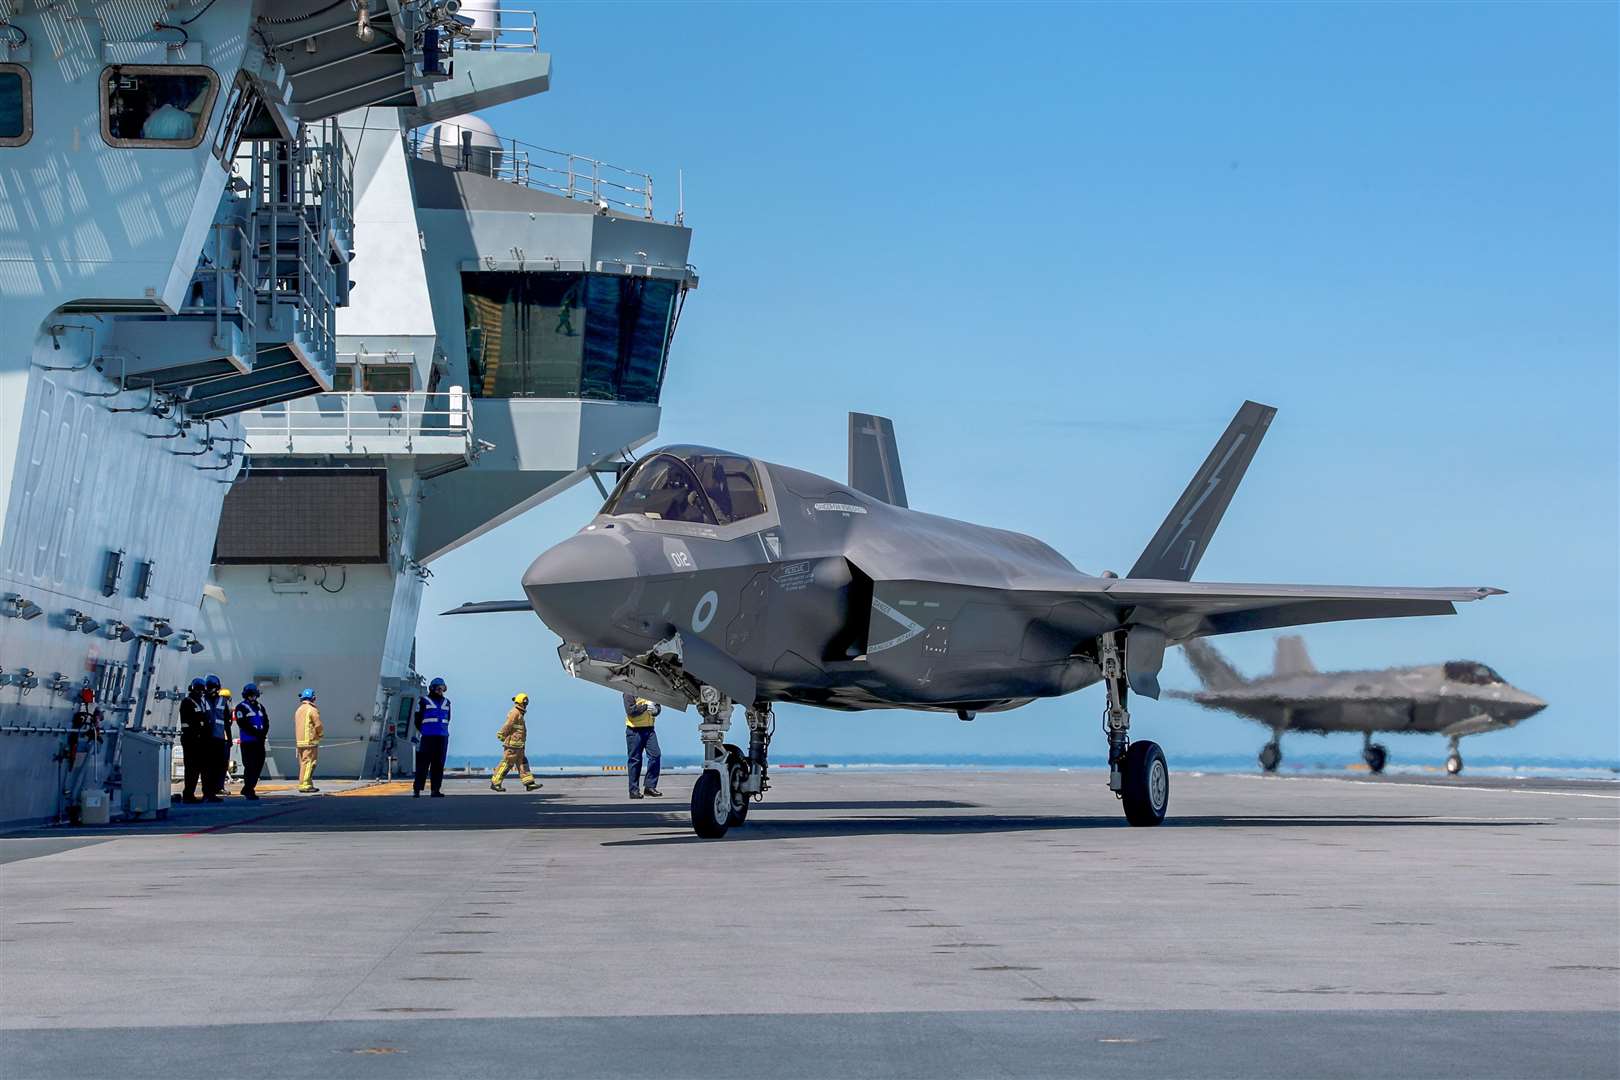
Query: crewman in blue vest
[[217, 758], [252, 731], [433, 730]]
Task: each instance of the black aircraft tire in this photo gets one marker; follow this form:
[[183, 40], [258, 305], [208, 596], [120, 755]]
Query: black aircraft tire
[[707, 821], [1270, 757], [1377, 756], [1146, 791], [1454, 764], [739, 813]]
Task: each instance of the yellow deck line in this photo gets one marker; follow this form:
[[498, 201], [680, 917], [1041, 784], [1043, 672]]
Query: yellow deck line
[[394, 787]]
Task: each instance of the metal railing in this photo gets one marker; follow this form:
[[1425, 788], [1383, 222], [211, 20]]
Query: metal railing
[[559, 172], [223, 283], [303, 208], [379, 422], [499, 28]]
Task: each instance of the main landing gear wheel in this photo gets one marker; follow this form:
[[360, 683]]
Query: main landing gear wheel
[[1454, 763], [1270, 757], [711, 807], [737, 765], [1146, 789], [1375, 755]]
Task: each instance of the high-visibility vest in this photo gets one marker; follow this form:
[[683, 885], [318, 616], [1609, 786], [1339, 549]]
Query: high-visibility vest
[[251, 721], [219, 718], [435, 716], [646, 718]]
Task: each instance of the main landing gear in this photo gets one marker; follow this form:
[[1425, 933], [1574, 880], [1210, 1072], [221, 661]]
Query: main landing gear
[[1137, 772], [1271, 756], [1374, 754], [1454, 762], [730, 778]]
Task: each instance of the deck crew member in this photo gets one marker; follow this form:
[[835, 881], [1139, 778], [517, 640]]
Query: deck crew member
[[433, 728], [639, 738], [514, 736], [195, 725], [307, 732], [252, 731], [217, 750]]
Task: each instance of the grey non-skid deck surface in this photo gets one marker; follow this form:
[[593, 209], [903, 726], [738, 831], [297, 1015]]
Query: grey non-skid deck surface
[[863, 923]]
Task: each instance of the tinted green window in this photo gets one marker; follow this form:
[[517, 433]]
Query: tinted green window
[[562, 335]]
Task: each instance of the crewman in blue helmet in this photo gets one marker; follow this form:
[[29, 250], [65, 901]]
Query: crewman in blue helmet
[[307, 732], [433, 730], [252, 732], [195, 729]]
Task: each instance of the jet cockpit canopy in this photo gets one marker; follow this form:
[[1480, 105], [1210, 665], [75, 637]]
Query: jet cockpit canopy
[[696, 484], [1471, 672]]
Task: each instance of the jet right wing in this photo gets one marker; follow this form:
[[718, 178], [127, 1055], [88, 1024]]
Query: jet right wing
[[1188, 609]]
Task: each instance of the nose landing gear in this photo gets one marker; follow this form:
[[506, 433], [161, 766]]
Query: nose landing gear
[[730, 778]]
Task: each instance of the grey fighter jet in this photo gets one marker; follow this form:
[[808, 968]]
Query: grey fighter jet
[[1454, 699], [711, 578]]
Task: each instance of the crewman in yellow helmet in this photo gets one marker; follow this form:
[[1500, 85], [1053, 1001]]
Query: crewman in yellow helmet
[[307, 731], [514, 735]]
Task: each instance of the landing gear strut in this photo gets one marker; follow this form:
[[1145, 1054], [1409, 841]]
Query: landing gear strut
[[1374, 754], [1454, 762], [1137, 772], [730, 778]]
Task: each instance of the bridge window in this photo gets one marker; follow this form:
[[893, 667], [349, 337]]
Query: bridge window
[[16, 105], [386, 378], [662, 487], [156, 105], [567, 335]]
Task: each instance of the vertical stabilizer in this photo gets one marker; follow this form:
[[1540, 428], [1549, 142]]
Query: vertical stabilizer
[[1214, 671], [1292, 659], [1174, 551], [874, 459]]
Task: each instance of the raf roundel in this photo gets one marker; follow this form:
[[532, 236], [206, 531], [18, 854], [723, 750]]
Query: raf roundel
[[703, 614]]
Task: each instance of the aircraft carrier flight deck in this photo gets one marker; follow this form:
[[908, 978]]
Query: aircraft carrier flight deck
[[939, 923]]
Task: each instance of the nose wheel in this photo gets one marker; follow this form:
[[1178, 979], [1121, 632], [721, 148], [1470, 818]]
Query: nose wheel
[[731, 779]]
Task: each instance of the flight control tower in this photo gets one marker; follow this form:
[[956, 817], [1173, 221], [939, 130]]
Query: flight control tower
[[509, 340]]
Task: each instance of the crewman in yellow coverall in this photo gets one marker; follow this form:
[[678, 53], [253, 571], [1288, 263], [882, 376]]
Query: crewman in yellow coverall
[[513, 735], [307, 730]]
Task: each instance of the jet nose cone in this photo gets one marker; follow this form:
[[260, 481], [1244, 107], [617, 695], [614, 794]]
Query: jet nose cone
[[1530, 704], [581, 586]]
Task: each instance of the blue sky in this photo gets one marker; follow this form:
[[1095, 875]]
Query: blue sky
[[1059, 244]]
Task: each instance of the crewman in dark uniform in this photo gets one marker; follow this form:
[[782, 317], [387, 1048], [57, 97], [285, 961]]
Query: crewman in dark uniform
[[433, 729], [195, 728], [216, 751], [252, 731]]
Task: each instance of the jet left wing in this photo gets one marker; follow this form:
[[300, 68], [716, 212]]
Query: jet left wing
[[1187, 609], [488, 606]]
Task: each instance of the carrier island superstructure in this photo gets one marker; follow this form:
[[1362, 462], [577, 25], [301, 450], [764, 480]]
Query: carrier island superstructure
[[184, 190]]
